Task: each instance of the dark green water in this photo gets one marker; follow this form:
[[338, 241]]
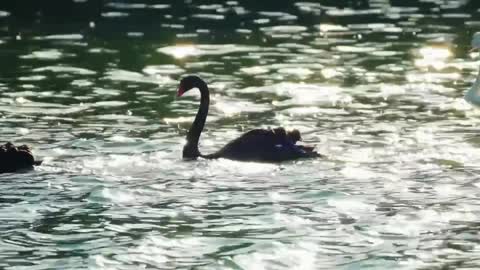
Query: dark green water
[[377, 86]]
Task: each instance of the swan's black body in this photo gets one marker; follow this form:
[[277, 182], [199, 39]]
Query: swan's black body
[[14, 158], [268, 145]]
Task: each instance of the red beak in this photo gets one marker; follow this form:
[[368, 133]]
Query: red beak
[[180, 92]]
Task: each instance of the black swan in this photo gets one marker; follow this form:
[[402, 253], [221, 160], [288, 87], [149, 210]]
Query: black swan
[[267, 145], [14, 158]]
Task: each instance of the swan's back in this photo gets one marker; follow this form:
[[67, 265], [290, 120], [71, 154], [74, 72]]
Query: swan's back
[[263, 145], [15, 158]]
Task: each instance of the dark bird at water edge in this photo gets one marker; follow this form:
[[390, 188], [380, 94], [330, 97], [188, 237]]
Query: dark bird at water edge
[[13, 158]]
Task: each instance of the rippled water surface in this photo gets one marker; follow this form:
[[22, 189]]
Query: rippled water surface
[[377, 86]]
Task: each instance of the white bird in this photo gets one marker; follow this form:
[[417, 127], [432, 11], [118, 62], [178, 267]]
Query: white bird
[[473, 94]]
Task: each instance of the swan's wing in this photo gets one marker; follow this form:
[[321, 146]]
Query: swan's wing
[[263, 145], [276, 134], [252, 143], [14, 158], [257, 132]]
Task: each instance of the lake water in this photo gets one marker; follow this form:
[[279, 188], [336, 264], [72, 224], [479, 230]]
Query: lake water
[[377, 86]]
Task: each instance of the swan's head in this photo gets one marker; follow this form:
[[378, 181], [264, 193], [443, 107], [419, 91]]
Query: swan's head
[[294, 135], [476, 41], [189, 82]]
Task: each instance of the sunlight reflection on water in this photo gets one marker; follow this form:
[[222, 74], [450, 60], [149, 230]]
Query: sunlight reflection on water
[[378, 89]]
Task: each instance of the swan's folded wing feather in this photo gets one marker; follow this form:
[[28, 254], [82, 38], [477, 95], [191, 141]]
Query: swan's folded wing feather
[[14, 158], [263, 145]]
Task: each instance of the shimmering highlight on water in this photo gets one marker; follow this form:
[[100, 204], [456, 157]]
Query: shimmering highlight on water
[[377, 87]]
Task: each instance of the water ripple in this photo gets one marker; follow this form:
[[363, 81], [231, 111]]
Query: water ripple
[[376, 86]]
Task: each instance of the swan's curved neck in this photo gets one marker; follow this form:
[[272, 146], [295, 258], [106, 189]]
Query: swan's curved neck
[[190, 150], [473, 94]]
